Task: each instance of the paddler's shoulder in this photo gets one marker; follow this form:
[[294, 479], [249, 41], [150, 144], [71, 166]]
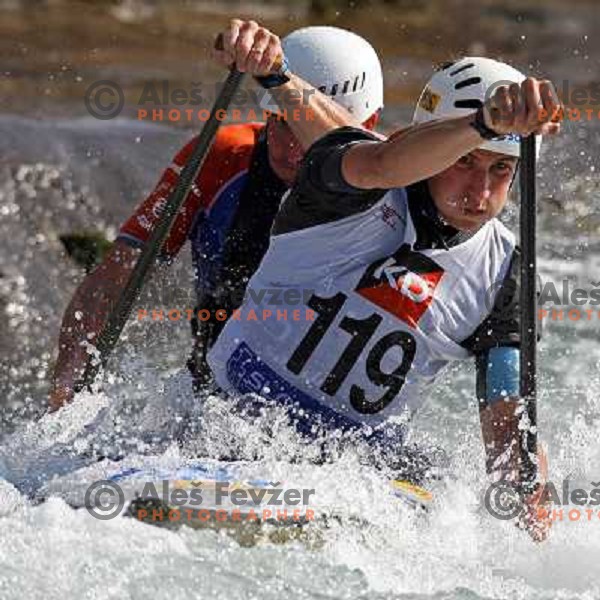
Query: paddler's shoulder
[[235, 141], [230, 152], [237, 137]]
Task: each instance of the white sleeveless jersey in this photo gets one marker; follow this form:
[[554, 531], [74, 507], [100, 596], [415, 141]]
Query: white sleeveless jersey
[[386, 319]]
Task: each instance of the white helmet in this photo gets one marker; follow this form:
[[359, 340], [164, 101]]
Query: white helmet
[[338, 63], [461, 87]]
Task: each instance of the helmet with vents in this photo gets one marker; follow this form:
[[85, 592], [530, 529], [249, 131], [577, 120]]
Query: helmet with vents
[[461, 87], [337, 62]]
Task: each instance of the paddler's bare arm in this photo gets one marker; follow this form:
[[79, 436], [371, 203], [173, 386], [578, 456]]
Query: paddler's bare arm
[[85, 317], [257, 51], [411, 155], [423, 150], [502, 438]]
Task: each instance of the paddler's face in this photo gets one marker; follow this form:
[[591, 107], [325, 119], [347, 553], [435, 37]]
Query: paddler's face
[[285, 151], [474, 189]]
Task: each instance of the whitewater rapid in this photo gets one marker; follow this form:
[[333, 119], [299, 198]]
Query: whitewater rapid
[[75, 175]]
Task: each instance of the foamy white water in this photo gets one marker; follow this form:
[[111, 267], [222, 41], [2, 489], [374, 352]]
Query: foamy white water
[[51, 551]]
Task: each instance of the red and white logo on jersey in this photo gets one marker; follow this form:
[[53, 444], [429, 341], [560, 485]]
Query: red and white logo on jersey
[[402, 284]]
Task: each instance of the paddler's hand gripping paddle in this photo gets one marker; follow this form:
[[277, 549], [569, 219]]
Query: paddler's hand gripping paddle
[[118, 316]]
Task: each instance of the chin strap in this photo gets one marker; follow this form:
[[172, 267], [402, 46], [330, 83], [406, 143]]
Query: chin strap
[[512, 181], [432, 230]]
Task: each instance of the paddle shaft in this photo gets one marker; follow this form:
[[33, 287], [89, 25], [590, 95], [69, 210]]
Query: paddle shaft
[[118, 316], [528, 301]]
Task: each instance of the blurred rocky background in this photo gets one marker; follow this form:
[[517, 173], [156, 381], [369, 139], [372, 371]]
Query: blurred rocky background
[[53, 49]]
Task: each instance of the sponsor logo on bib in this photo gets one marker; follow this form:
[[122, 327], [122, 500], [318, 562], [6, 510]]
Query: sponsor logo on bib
[[402, 284]]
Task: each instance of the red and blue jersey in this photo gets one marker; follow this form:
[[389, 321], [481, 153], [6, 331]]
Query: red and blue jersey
[[236, 169]]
